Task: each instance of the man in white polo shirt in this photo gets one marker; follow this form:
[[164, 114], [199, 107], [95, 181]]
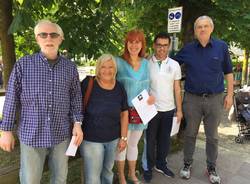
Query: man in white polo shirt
[[165, 75]]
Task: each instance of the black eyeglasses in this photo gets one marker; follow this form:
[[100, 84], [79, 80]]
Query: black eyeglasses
[[45, 35]]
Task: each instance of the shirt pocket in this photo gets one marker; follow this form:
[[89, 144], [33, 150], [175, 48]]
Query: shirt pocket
[[215, 64]]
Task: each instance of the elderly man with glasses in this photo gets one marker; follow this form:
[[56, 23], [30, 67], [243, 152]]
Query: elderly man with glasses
[[45, 87]]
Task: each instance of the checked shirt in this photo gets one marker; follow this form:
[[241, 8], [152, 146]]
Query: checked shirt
[[49, 99]]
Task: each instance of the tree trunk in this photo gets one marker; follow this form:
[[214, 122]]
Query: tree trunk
[[191, 11], [7, 40], [187, 21]]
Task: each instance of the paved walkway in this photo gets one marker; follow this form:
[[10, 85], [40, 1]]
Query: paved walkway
[[233, 160]]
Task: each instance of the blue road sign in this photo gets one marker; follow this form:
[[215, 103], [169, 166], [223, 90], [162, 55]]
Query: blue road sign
[[171, 16], [178, 15], [174, 19]]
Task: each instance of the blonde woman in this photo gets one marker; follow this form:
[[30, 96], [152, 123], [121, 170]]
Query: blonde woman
[[105, 123]]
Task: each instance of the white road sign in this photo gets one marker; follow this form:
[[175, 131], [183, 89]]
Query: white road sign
[[174, 20]]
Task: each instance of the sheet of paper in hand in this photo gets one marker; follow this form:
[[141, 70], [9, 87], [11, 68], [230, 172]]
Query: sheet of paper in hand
[[145, 111], [71, 151], [175, 126]]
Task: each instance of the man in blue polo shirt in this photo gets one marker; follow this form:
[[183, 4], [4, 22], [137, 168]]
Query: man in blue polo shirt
[[207, 63]]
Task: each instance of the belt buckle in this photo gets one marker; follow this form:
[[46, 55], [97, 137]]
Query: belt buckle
[[205, 95]]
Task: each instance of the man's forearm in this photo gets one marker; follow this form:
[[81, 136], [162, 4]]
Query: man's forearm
[[178, 99], [230, 87]]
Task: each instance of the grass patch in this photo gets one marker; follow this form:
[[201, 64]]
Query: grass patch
[[74, 172], [12, 158]]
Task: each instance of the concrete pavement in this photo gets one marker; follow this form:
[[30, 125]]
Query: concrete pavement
[[233, 164]]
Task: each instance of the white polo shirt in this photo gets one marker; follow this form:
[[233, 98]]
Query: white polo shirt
[[162, 82]]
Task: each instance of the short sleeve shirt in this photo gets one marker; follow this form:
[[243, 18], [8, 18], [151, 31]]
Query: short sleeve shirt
[[205, 66], [102, 117], [162, 79]]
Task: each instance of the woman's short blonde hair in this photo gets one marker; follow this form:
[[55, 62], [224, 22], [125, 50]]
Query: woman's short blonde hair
[[101, 60]]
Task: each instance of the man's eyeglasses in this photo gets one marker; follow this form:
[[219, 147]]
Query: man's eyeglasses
[[45, 35], [161, 45]]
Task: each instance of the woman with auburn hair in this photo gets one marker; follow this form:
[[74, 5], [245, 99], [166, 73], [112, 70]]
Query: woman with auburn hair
[[132, 72]]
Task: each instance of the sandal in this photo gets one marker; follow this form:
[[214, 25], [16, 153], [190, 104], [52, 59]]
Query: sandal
[[131, 181], [138, 181]]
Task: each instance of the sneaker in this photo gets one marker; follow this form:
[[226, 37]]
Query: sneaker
[[213, 177], [185, 172], [165, 170], [147, 175]]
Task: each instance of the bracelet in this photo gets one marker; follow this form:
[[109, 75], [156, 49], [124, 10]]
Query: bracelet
[[124, 138]]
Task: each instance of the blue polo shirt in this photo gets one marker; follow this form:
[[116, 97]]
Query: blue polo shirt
[[205, 66]]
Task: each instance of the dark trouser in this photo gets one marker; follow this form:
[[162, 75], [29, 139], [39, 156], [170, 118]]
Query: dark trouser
[[209, 109], [158, 139]]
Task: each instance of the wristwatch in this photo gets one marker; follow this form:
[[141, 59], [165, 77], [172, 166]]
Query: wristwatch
[[78, 122], [124, 138]]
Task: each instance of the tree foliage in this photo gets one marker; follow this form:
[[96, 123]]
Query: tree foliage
[[95, 26], [91, 27], [231, 18]]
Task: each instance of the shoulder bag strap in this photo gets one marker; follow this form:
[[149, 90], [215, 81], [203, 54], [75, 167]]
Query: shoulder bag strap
[[88, 92]]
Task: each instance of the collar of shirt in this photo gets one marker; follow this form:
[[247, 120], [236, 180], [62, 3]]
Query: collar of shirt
[[44, 59], [156, 60], [209, 44]]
